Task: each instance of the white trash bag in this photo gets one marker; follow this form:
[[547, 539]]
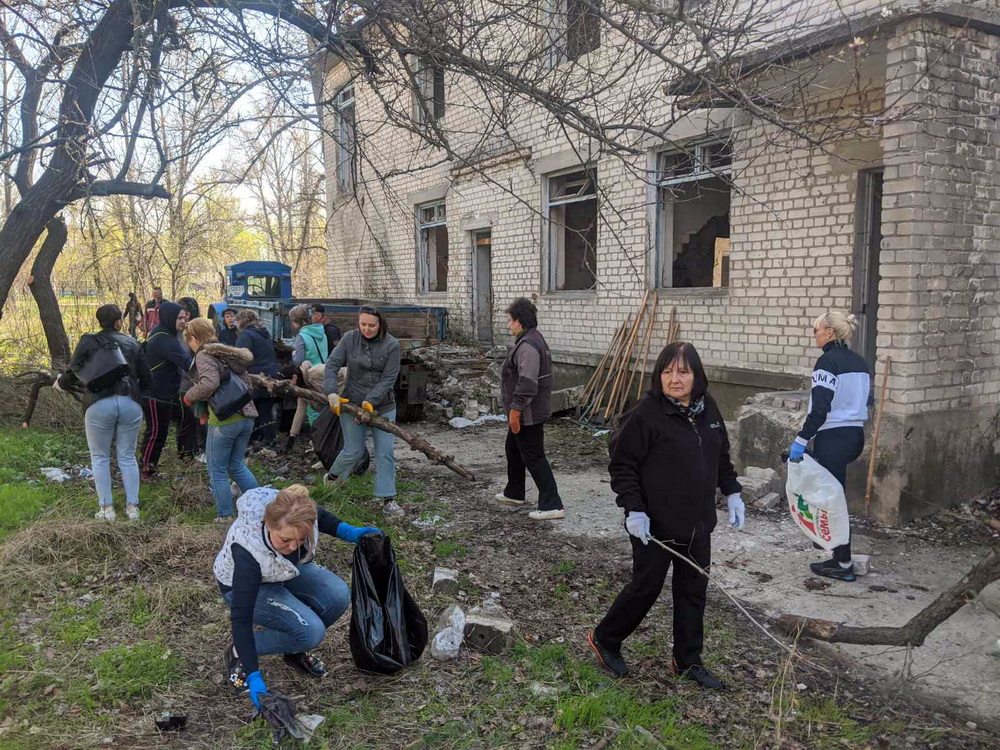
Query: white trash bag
[[817, 503]]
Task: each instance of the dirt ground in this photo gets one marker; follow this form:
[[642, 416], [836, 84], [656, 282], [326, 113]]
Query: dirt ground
[[766, 565]]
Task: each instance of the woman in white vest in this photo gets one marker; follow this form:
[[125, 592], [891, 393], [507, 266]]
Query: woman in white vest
[[268, 575]]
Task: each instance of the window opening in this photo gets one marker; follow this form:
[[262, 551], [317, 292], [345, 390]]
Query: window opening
[[346, 138], [432, 230], [572, 237]]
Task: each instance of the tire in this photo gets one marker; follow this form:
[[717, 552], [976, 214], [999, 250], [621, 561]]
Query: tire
[[407, 412]]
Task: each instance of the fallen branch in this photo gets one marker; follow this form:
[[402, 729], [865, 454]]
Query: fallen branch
[[914, 632], [38, 379], [417, 443]]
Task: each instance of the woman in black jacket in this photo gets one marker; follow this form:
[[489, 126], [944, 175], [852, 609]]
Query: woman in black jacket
[[255, 337], [667, 459]]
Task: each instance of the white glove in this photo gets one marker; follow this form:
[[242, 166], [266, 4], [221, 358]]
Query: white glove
[[737, 511], [637, 524]]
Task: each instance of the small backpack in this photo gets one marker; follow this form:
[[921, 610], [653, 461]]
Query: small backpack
[[105, 368]]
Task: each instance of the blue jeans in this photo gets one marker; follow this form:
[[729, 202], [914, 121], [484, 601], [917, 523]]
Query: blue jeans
[[224, 452], [354, 451], [295, 614], [115, 418]]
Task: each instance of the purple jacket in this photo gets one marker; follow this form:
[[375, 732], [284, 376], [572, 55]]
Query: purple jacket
[[526, 379]]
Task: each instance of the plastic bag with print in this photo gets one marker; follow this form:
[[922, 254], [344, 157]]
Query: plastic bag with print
[[817, 503]]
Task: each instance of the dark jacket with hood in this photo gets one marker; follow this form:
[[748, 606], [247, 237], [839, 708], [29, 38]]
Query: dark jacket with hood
[[228, 336], [526, 379], [265, 362], [667, 467], [166, 356], [132, 385]]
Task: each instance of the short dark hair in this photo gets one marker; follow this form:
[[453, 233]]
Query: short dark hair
[[229, 311], [155, 288], [524, 312], [191, 305], [108, 314], [318, 308], [689, 356]]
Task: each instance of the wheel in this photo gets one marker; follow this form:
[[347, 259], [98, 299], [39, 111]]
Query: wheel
[[407, 412]]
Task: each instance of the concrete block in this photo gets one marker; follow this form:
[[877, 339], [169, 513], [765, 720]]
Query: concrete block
[[488, 629], [770, 501], [754, 488], [776, 482], [862, 564], [566, 399], [445, 581]]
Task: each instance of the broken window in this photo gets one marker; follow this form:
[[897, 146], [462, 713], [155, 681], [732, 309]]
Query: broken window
[[432, 229], [428, 104], [345, 147], [692, 228], [572, 237], [575, 29]]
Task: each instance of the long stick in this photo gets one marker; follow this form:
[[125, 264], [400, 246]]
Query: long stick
[[596, 405], [417, 443], [878, 424], [621, 395], [628, 355], [595, 378], [645, 353], [671, 333]]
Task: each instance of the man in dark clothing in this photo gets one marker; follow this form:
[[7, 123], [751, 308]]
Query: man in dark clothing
[[526, 395], [257, 339], [228, 332], [151, 316], [133, 314], [166, 361], [332, 332]]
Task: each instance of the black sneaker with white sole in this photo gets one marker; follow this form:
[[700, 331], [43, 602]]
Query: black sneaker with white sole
[[833, 569], [233, 670], [610, 660]]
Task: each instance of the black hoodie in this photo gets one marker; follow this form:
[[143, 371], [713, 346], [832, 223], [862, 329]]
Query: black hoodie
[[166, 356]]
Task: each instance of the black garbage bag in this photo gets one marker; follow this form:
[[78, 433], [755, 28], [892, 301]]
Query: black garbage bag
[[328, 441], [388, 630]]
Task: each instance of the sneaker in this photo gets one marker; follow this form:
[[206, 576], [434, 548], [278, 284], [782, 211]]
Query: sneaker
[[329, 479], [698, 673], [392, 509], [832, 569], [202, 458], [610, 660], [547, 515], [234, 490], [132, 511], [147, 474], [306, 663], [233, 670], [223, 519], [106, 513], [504, 500]]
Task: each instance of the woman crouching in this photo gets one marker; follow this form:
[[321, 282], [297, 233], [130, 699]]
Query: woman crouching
[[268, 577]]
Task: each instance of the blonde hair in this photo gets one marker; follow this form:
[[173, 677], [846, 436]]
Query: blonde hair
[[301, 314], [292, 507], [201, 330], [843, 326], [246, 318]]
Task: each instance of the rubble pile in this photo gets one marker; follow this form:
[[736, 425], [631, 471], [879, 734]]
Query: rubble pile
[[463, 381]]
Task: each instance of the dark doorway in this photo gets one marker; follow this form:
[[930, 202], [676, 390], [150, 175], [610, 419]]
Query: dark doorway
[[868, 246], [482, 287]]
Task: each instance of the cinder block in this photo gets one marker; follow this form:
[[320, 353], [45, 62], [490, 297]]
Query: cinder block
[[445, 581], [862, 564], [488, 629]]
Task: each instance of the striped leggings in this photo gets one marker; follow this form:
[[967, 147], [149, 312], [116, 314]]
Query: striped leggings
[[157, 415]]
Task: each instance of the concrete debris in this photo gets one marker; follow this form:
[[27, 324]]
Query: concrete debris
[[445, 581], [770, 501], [754, 488], [776, 480], [488, 628], [767, 425], [447, 641], [460, 423]]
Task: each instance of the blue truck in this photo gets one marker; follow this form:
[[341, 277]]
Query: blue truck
[[266, 287]]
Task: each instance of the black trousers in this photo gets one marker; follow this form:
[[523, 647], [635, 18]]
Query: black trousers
[[189, 432], [157, 415], [650, 564], [834, 450], [526, 451], [265, 428]]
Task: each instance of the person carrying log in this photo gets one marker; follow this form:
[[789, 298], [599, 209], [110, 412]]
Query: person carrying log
[[371, 354]]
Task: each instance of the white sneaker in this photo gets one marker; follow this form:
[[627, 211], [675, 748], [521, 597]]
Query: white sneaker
[[132, 511], [202, 459], [504, 500], [106, 513], [547, 515], [392, 509]]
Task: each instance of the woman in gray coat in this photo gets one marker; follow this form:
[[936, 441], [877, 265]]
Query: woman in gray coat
[[372, 358]]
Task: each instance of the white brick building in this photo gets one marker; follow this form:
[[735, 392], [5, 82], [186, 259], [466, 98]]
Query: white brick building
[[899, 218]]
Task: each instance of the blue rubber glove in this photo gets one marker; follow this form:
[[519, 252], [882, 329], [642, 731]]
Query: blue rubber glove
[[737, 511], [637, 524], [257, 688], [353, 533], [796, 452]]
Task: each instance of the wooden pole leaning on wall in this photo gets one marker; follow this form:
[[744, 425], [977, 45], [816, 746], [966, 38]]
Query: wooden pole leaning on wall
[[596, 377], [878, 425], [621, 396], [623, 366], [595, 405], [642, 369]]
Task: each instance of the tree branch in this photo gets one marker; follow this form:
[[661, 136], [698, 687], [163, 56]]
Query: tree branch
[[101, 188]]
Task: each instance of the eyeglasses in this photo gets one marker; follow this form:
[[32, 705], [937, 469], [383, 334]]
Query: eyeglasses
[[365, 310]]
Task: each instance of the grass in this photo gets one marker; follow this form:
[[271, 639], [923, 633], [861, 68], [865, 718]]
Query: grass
[[135, 671], [72, 624], [447, 549]]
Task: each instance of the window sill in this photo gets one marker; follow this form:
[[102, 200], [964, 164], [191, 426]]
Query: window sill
[[571, 294], [692, 292], [432, 295]]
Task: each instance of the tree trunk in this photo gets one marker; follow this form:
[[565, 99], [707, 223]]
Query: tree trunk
[[40, 285], [913, 633]]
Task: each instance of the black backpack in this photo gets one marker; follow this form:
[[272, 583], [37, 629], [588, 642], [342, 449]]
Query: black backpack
[[105, 367]]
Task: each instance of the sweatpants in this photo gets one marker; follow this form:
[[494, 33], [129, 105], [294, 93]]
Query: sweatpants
[[526, 451], [650, 564], [157, 415], [834, 449]]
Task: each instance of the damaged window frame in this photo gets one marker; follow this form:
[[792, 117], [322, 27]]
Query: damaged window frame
[[696, 162], [558, 193], [429, 217], [429, 102], [574, 29], [346, 138]]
